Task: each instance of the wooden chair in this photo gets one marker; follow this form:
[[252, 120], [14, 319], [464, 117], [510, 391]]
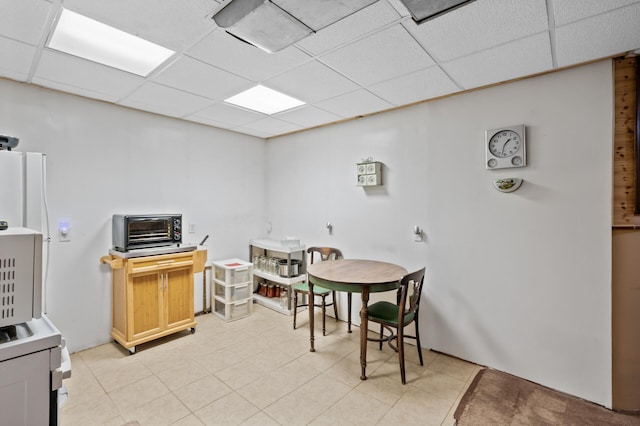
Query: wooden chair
[[325, 253], [397, 316]]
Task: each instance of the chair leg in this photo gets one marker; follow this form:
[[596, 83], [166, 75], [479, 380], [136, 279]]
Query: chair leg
[[295, 307], [324, 314], [418, 341], [381, 331], [335, 305], [349, 313], [401, 353]]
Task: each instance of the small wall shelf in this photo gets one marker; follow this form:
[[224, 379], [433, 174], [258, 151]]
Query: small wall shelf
[[507, 184]]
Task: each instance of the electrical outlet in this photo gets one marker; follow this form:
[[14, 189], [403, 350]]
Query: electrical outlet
[[192, 228]]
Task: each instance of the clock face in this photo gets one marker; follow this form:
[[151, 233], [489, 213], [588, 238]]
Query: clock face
[[505, 147], [505, 143]]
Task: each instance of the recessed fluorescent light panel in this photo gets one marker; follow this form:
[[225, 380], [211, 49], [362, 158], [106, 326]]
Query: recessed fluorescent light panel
[[264, 100], [89, 39], [273, 25], [424, 10]]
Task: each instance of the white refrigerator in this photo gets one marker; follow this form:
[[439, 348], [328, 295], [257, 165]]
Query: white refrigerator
[[23, 201], [36, 359], [22, 190]]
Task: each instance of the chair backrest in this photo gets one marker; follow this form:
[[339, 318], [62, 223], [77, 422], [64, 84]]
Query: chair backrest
[[325, 253], [409, 296]]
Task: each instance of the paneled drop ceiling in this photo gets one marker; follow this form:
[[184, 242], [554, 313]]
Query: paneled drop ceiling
[[373, 60]]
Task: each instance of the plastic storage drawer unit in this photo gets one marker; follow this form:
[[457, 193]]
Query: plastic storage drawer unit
[[232, 289], [233, 271], [233, 311], [233, 293]]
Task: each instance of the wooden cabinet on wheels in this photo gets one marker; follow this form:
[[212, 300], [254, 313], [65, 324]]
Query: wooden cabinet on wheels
[[152, 296]]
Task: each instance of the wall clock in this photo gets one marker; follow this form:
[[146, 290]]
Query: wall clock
[[506, 147]]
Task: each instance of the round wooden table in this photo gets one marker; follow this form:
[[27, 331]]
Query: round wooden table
[[354, 276]]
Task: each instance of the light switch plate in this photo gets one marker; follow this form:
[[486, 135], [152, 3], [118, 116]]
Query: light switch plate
[[64, 231]]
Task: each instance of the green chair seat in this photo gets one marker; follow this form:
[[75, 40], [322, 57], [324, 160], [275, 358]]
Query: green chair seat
[[304, 287], [387, 312]]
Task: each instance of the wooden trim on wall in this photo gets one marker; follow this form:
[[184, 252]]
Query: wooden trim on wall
[[637, 151], [624, 162], [625, 298]]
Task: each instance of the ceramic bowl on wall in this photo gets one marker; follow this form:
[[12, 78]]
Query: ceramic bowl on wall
[[507, 184]]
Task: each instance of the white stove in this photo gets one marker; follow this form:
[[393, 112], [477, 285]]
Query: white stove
[[31, 372]]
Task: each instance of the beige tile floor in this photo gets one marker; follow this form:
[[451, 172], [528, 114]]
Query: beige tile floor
[[259, 371]]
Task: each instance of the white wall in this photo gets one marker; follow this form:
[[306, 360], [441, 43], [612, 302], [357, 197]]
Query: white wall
[[519, 282], [103, 159]]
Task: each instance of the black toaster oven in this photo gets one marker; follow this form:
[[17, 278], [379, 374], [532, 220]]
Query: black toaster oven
[[132, 232]]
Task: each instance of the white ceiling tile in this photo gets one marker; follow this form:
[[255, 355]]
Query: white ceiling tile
[[271, 126], [229, 114], [378, 57], [604, 35], [226, 52], [565, 11], [160, 98], [72, 71], [170, 23], [512, 60], [86, 93], [308, 116], [353, 104], [480, 25], [15, 59], [320, 14], [367, 20], [311, 82], [414, 87], [208, 122], [169, 111], [251, 132], [400, 8], [24, 20], [196, 77]]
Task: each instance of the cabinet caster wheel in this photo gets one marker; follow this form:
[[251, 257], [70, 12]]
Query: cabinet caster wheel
[[193, 330]]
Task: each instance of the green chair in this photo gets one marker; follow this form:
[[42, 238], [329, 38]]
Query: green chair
[[325, 253], [396, 317]]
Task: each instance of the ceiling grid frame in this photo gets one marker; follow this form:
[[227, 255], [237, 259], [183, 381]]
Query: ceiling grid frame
[[552, 32], [431, 77]]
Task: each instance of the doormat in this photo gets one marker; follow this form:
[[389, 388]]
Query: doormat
[[496, 398]]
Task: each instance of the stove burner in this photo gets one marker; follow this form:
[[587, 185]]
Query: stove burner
[[8, 333]]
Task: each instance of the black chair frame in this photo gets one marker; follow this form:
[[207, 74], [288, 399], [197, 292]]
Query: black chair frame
[[325, 253], [395, 327]]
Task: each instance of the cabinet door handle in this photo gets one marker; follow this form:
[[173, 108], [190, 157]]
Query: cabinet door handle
[[163, 281]]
